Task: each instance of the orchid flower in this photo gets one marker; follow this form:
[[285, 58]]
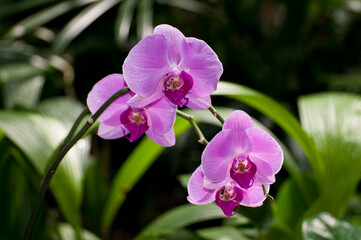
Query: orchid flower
[[120, 119], [243, 153], [167, 64], [227, 194]]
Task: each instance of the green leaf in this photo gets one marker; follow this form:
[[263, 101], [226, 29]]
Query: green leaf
[[290, 204], [180, 217], [334, 122], [124, 20], [64, 109], [18, 72], [223, 232], [132, 170], [144, 18], [38, 137], [25, 94], [325, 227], [66, 232], [189, 5], [32, 22], [81, 22]]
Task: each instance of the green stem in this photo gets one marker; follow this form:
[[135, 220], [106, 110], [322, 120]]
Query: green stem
[[62, 152], [190, 118], [74, 127], [266, 193], [216, 114]]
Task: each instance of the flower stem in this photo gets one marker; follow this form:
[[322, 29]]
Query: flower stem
[[66, 146], [190, 118], [216, 114], [266, 193]]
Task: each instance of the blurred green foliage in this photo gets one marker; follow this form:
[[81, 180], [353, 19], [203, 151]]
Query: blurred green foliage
[[53, 52]]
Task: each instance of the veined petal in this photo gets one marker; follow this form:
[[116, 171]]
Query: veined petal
[[203, 64], [166, 140], [139, 101], [199, 103], [264, 149], [197, 194], [102, 91], [253, 196], [111, 132], [238, 122], [215, 185], [217, 155], [146, 65], [161, 115], [173, 37]]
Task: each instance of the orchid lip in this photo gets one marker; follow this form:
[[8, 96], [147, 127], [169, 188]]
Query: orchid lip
[[177, 86], [243, 171], [135, 121], [228, 199]]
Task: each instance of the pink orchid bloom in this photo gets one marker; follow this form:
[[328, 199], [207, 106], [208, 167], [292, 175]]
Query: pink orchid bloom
[[167, 64], [242, 152], [227, 194], [120, 119]]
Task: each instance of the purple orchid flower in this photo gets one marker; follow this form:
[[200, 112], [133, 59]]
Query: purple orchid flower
[[120, 119], [243, 153], [227, 194], [167, 64]]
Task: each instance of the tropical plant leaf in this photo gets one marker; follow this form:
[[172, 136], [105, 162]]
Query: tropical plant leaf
[[81, 22], [180, 217], [333, 120], [131, 171], [325, 227], [124, 19], [290, 204], [7, 9], [66, 232], [144, 18], [39, 18], [25, 94], [38, 137], [188, 5], [223, 232]]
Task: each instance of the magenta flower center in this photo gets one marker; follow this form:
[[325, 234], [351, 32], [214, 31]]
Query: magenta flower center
[[135, 121], [228, 198], [177, 86], [243, 171]]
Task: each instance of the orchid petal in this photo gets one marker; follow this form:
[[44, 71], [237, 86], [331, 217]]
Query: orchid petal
[[203, 64], [253, 196], [197, 194], [238, 122], [146, 64], [102, 91], [215, 185], [161, 115], [139, 101], [111, 132], [165, 140], [173, 37], [264, 149], [217, 156], [199, 103]]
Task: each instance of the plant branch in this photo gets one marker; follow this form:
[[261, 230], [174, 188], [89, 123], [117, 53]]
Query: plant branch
[[66, 146], [266, 193], [216, 114], [190, 118]]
